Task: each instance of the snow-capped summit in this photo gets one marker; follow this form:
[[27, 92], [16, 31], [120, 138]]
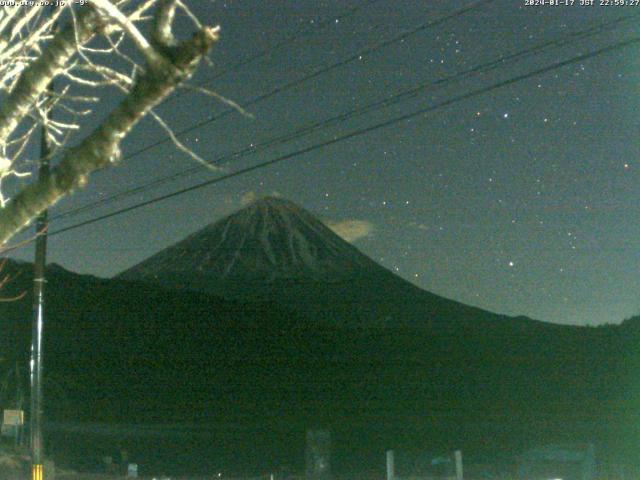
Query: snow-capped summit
[[271, 239]]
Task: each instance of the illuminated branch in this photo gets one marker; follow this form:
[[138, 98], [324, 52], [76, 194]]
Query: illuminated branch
[[68, 54]]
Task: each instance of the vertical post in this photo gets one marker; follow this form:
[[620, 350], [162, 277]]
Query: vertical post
[[318, 455], [19, 405], [391, 472], [16, 435], [37, 455], [459, 472]]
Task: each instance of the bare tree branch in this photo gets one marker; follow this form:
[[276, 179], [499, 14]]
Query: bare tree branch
[[182, 147], [89, 53], [163, 19], [36, 78], [162, 74], [226, 101], [109, 9]]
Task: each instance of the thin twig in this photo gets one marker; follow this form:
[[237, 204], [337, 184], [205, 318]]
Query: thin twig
[[183, 147], [220, 98]]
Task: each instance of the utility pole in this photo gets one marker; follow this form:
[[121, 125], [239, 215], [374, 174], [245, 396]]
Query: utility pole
[[37, 454], [19, 438]]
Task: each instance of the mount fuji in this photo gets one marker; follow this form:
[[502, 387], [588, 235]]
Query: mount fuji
[[271, 239], [384, 343], [275, 250], [313, 332]]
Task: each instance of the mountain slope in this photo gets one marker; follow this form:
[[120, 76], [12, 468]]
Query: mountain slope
[[135, 352], [269, 240], [314, 333], [275, 250], [133, 347]]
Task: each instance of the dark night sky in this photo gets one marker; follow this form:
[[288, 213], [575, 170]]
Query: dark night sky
[[522, 200]]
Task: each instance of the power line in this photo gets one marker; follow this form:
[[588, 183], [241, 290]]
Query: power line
[[397, 98], [290, 39], [321, 71], [287, 40], [362, 131], [318, 72]]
